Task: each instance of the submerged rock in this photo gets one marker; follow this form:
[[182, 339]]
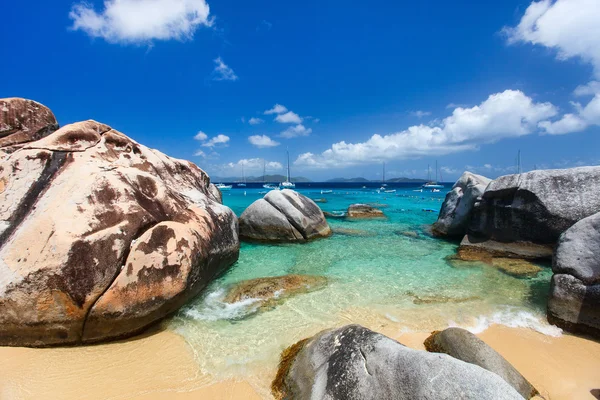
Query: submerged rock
[[516, 267], [283, 216], [408, 234], [362, 211], [332, 215], [322, 200], [455, 213], [536, 206], [353, 362], [353, 232], [463, 345], [574, 302], [23, 121], [271, 290], [475, 249], [102, 237], [439, 299]]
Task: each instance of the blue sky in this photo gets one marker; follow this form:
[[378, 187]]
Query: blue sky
[[465, 83]]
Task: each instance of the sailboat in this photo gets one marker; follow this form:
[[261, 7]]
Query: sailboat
[[265, 184], [432, 184], [287, 184], [243, 183], [383, 185]]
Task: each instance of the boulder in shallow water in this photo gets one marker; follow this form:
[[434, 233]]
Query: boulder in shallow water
[[23, 121], [536, 206], [455, 213], [269, 291], [463, 345], [363, 211], [476, 249], [102, 236], [283, 216], [353, 362]]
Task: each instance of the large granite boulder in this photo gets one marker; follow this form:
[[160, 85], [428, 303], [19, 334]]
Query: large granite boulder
[[283, 216], [574, 302], [536, 206], [463, 345], [101, 236], [23, 121], [353, 362], [455, 214]]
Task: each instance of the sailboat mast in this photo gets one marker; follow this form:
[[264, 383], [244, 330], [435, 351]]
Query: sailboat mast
[[264, 171], [243, 174], [519, 162], [428, 173], [436, 170], [288, 165], [383, 174]]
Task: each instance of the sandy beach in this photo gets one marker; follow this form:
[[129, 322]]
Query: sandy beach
[[162, 366]]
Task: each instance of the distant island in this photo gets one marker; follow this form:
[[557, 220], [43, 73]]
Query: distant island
[[394, 180], [266, 178]]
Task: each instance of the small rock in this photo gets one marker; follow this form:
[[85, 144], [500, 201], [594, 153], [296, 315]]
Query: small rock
[[362, 211]]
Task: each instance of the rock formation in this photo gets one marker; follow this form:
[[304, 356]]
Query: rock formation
[[283, 216], [23, 121], [574, 302], [353, 362], [455, 214], [363, 211], [463, 345], [101, 236]]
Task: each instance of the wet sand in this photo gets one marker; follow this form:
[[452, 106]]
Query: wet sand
[[162, 366]]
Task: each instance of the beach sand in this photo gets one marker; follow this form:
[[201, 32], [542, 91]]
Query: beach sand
[[162, 366]]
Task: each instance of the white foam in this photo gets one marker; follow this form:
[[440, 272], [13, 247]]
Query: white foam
[[513, 318], [213, 308]]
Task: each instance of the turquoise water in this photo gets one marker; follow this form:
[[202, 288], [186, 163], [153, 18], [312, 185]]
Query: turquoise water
[[394, 278]]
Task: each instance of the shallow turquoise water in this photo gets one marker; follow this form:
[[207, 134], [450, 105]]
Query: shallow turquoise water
[[376, 279]]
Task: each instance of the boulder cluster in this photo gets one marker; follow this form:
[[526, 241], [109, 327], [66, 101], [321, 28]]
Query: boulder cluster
[[547, 214]]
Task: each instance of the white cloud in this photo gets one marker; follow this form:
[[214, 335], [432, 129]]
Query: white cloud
[[216, 141], [289, 117], [201, 136], [569, 26], [251, 164], [277, 109], [507, 114], [420, 114], [255, 121], [200, 153], [262, 141], [588, 89], [295, 131], [223, 72], [569, 123], [455, 105], [141, 21]]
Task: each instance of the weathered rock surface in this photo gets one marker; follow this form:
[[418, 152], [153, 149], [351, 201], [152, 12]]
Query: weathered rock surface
[[362, 211], [536, 206], [463, 345], [353, 362], [101, 236], [283, 216], [476, 249], [455, 213], [578, 251], [23, 121], [270, 291]]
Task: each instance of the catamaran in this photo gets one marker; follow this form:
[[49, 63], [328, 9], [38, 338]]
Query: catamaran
[[222, 186], [287, 184], [265, 184], [432, 184]]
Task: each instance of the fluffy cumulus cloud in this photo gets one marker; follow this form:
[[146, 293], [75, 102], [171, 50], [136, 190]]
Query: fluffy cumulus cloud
[[141, 21], [219, 140], [289, 117], [201, 136], [502, 115], [295, 131], [570, 27], [277, 109], [222, 71], [261, 141], [255, 121]]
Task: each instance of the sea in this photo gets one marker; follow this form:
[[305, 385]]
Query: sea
[[387, 274]]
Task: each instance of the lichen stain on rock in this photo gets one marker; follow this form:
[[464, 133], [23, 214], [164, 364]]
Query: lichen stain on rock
[[147, 185], [158, 239], [149, 276]]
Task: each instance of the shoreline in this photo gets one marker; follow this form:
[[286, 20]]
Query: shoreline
[[161, 365]]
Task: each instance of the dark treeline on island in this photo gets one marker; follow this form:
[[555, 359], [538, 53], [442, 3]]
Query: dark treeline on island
[[281, 178]]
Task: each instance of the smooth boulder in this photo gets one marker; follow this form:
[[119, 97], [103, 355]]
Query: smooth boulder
[[455, 213], [536, 206], [574, 302], [283, 216], [101, 236], [353, 362], [463, 345], [363, 211], [23, 121]]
